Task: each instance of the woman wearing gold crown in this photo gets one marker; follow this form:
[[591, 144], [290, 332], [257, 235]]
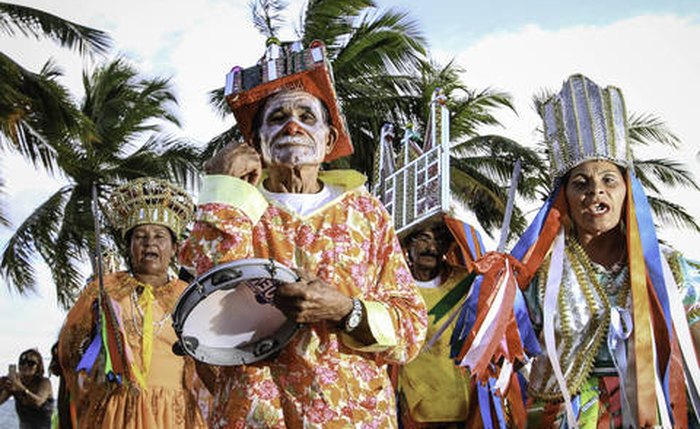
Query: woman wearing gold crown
[[119, 366], [615, 311]]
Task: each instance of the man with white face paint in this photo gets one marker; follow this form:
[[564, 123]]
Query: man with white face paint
[[355, 295]]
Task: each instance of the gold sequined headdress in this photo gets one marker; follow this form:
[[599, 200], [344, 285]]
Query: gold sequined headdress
[[150, 201], [584, 122]]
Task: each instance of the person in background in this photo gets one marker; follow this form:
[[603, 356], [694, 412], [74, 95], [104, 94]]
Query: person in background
[[433, 391], [31, 389], [59, 420]]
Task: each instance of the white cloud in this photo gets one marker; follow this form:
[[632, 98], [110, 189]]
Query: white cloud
[[653, 59]]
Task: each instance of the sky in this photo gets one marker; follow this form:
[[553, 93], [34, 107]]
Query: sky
[[646, 48]]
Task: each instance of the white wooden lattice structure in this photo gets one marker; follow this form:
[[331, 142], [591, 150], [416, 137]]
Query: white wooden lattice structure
[[415, 185]]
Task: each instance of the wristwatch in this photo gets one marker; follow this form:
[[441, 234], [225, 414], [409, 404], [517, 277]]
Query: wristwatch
[[353, 319]]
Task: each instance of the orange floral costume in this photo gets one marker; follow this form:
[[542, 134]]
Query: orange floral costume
[[322, 378], [166, 401]]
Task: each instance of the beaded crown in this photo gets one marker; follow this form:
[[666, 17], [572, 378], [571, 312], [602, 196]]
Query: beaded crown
[[584, 122], [150, 201], [286, 66]]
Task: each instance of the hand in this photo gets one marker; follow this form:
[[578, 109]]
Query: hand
[[311, 300], [15, 384], [237, 159]]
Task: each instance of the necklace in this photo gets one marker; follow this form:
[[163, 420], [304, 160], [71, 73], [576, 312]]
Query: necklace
[[615, 282], [137, 312], [584, 291]]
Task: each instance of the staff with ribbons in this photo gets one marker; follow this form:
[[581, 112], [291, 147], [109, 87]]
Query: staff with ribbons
[[115, 346]]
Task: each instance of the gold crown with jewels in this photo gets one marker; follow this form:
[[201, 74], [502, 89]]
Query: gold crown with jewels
[[152, 201]]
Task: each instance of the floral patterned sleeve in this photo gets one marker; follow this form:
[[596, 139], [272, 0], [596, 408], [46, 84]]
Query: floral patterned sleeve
[[393, 302], [222, 232]]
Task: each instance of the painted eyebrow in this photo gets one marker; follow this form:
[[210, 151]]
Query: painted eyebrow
[[306, 108], [276, 110], [585, 175]]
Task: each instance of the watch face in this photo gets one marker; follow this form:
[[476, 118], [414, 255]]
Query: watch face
[[354, 320], [355, 316]]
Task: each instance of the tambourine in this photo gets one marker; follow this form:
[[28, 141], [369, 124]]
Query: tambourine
[[226, 316]]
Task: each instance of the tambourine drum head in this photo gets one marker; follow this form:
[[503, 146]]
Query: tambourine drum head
[[235, 322], [232, 318]]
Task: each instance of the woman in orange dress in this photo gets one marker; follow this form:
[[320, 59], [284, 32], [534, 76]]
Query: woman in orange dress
[[132, 379]]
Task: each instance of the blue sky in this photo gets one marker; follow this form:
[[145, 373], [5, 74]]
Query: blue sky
[[647, 48], [450, 24]]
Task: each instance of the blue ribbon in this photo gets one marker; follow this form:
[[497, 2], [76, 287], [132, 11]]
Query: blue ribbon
[[484, 405], [470, 240], [497, 404], [528, 337], [481, 242], [523, 386], [650, 245], [532, 233], [467, 318], [90, 356], [576, 406], [87, 361]]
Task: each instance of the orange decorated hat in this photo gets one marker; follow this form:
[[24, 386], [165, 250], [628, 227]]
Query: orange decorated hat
[[286, 66]]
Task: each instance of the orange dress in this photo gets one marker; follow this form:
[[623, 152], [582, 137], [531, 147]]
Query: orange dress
[[167, 401]]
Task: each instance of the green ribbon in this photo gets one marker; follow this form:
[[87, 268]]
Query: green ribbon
[[452, 297]]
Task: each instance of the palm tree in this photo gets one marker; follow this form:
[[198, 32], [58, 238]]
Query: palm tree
[[654, 174], [35, 109], [375, 56], [481, 165], [120, 110]]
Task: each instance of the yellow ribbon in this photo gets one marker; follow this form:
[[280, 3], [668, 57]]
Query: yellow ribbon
[[145, 302], [644, 358]]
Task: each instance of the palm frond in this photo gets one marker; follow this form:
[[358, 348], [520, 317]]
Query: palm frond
[[330, 21], [647, 129], [495, 156], [123, 105], [164, 157], [36, 112], [4, 221], [664, 171], [29, 21], [217, 101], [390, 42], [120, 110], [267, 16], [36, 233], [672, 214], [218, 142], [73, 245], [483, 197]]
